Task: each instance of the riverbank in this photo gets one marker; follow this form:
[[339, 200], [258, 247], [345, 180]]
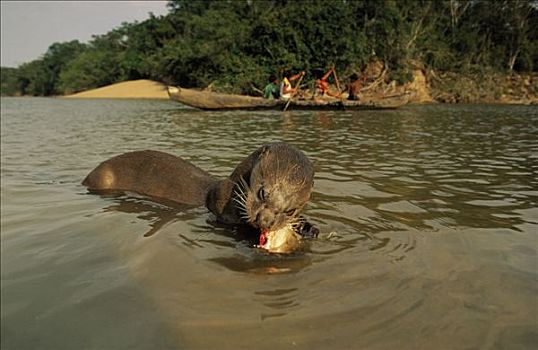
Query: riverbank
[[426, 86], [429, 86], [139, 89], [514, 88]]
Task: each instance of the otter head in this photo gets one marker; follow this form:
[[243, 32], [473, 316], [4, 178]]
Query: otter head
[[277, 188]]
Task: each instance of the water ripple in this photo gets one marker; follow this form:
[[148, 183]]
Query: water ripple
[[427, 219]]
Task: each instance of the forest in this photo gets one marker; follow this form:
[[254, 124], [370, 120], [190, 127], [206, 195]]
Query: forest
[[235, 45]]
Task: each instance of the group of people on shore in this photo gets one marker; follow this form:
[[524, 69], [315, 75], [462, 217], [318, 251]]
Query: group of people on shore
[[283, 89]]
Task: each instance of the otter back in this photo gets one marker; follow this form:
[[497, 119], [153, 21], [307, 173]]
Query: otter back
[[152, 173]]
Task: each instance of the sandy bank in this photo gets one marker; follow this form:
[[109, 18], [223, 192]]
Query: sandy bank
[[127, 89]]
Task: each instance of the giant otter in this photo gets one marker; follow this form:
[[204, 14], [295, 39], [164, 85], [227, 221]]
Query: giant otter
[[267, 191]]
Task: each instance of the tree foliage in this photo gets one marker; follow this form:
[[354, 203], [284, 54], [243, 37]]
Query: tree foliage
[[236, 44], [41, 76]]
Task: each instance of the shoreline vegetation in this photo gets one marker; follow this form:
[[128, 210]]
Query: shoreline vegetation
[[447, 51]]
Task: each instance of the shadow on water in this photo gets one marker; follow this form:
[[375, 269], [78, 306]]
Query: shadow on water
[[159, 213]]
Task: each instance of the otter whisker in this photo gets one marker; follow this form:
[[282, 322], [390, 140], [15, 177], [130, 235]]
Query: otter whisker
[[242, 189], [243, 214], [295, 225], [239, 201], [296, 222], [239, 191], [240, 196], [244, 184]]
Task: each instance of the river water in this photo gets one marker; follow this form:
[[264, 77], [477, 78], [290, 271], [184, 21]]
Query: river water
[[428, 218]]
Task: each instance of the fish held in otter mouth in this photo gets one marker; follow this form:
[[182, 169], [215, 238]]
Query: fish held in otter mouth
[[283, 240], [287, 239]]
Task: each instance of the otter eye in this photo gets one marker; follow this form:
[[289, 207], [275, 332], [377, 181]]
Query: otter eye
[[261, 194], [290, 212]]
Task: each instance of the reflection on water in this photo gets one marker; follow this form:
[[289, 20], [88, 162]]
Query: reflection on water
[[428, 219]]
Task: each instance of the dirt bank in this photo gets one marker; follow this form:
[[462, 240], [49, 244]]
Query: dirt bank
[[428, 86], [490, 87]]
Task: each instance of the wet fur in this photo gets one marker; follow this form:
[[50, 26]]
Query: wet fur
[[284, 173], [279, 187], [151, 173]]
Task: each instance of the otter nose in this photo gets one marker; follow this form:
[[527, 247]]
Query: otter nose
[[265, 219]]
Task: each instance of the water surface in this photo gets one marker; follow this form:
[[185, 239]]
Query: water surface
[[428, 219]]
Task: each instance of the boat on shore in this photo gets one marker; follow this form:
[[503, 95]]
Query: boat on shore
[[218, 101]]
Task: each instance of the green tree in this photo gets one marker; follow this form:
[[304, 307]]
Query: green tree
[[91, 69], [98, 65], [236, 44], [9, 82], [55, 60], [33, 78]]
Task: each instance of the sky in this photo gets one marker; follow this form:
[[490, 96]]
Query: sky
[[28, 28]]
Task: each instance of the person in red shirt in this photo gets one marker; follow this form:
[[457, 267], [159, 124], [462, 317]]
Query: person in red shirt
[[322, 86]]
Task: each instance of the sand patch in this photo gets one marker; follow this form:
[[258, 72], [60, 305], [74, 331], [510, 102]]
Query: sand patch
[[128, 89]]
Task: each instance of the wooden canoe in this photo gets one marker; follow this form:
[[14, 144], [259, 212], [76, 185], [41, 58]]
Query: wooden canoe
[[217, 101]]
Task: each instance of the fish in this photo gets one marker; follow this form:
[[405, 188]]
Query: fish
[[282, 241]]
